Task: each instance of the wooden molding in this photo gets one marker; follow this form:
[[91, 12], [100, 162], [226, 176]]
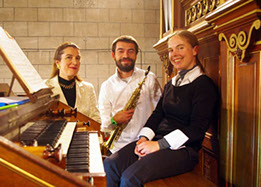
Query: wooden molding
[[200, 9], [239, 43]]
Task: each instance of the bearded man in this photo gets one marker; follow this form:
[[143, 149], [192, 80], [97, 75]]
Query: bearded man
[[116, 91]]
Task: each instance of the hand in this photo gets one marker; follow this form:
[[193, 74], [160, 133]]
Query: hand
[[123, 117], [142, 139], [146, 147]]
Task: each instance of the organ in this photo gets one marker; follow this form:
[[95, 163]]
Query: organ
[[44, 127]]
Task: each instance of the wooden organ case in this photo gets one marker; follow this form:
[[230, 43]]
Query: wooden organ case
[[24, 165], [230, 50]]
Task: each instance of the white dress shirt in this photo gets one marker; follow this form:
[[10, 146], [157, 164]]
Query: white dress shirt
[[114, 95]]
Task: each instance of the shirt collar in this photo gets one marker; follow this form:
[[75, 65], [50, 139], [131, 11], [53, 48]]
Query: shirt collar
[[118, 75], [189, 77]]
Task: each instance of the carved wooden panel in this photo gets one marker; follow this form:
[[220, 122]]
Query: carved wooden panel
[[246, 123]]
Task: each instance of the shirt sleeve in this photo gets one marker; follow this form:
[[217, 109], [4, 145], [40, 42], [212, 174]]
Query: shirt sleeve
[[155, 89], [176, 139], [105, 108]]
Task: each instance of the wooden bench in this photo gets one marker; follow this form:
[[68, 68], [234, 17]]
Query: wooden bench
[[190, 179]]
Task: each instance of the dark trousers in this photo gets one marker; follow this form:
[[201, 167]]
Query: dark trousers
[[123, 168]]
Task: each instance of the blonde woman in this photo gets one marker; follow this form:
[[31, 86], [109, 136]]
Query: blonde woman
[[65, 81]]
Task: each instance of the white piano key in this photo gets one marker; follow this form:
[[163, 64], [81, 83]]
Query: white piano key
[[95, 162], [66, 137]]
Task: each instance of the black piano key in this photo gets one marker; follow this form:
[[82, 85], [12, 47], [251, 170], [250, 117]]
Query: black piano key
[[77, 159], [44, 131], [72, 160], [79, 169], [76, 155]]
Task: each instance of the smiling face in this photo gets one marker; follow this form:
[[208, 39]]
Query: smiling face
[[125, 56], [69, 63], [181, 54]]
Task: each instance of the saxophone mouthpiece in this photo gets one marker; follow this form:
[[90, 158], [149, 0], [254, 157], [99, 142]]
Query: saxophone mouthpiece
[[148, 70]]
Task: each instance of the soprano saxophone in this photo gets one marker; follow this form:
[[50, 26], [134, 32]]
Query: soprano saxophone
[[131, 104]]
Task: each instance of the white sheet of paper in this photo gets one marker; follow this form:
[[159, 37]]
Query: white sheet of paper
[[20, 62]]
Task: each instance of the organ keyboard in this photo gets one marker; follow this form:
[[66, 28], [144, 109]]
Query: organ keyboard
[[81, 150]]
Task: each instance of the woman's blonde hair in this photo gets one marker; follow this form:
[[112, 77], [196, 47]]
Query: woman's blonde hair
[[58, 56], [191, 39]]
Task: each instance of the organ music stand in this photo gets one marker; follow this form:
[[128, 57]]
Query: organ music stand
[[22, 69]]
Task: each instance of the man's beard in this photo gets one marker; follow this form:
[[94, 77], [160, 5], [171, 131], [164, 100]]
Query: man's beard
[[126, 68]]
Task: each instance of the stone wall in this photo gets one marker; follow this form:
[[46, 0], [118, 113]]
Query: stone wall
[[39, 26]]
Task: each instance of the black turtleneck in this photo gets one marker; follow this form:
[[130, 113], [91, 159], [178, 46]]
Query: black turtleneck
[[69, 93]]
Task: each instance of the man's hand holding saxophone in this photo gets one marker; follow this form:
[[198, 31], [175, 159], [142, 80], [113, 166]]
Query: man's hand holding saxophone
[[123, 117]]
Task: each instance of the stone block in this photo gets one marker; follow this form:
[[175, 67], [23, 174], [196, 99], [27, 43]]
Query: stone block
[[89, 57], [149, 43], [97, 71], [159, 69], [15, 3], [2, 61], [85, 3], [135, 30], [26, 14], [6, 14], [97, 15], [151, 4], [157, 16], [61, 29], [80, 41], [150, 16], [112, 70], [38, 29], [49, 42], [86, 29], [50, 14], [152, 30], [45, 71], [39, 57], [105, 57], [27, 42], [94, 82], [133, 4], [82, 72], [120, 15], [109, 29], [97, 43], [5, 72], [17, 88], [61, 3], [38, 3], [16, 28], [138, 16], [74, 14], [109, 3], [151, 58]]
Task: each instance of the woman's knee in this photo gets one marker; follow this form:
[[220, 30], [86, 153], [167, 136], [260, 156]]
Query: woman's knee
[[130, 180], [108, 163]]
